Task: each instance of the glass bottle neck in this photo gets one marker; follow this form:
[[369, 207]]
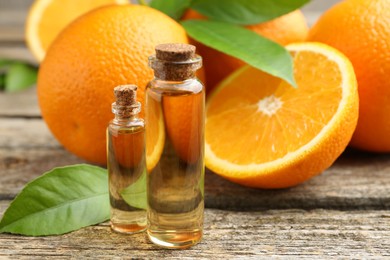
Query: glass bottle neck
[[175, 82], [125, 113], [175, 71], [126, 122], [119, 118]]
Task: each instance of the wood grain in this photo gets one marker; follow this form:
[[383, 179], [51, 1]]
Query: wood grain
[[341, 213], [27, 149], [356, 181], [288, 233], [19, 104]]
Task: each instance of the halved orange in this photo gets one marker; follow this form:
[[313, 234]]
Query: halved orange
[[261, 132], [47, 18]]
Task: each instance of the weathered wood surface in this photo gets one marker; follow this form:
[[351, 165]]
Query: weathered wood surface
[[342, 213], [292, 233], [356, 181], [20, 104]]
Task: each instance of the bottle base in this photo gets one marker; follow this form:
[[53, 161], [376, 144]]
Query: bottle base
[[175, 239], [127, 228]]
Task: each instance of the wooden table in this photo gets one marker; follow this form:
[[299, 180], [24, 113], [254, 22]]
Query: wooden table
[[342, 213]]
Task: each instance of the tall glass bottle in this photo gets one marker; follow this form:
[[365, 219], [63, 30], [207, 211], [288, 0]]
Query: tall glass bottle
[[126, 163], [175, 101]]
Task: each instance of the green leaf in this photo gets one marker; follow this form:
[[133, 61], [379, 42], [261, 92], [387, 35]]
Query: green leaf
[[245, 12], [245, 45], [172, 8], [2, 81], [61, 200], [135, 194], [4, 63], [20, 76]]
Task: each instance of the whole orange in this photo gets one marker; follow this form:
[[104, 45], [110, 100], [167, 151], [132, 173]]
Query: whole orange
[[286, 29], [361, 30], [106, 47]]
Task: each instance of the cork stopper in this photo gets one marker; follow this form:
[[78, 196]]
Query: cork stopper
[[175, 61], [126, 103], [175, 51], [126, 95]]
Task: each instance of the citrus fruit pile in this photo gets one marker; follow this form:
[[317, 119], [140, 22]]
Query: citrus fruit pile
[[260, 131]]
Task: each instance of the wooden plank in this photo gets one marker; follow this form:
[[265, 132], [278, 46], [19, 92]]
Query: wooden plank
[[25, 134], [15, 51], [11, 34], [228, 235], [19, 104], [19, 167], [12, 19], [15, 4], [356, 180], [14, 12]]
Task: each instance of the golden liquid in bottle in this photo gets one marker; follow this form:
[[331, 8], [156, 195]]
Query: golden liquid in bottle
[[176, 183], [127, 175]]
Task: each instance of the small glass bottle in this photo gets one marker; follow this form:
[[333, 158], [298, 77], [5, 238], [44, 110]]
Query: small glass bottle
[[175, 101], [126, 163]]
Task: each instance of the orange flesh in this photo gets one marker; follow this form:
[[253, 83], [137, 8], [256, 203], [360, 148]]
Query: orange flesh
[[296, 122], [154, 137]]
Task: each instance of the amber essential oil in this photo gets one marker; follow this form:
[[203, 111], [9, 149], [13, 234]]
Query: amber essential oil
[[175, 102], [126, 163]]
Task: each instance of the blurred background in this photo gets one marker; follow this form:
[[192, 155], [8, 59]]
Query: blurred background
[[13, 14]]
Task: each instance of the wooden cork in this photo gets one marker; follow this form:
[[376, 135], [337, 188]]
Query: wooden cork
[[126, 95], [174, 61], [126, 103], [175, 51]]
